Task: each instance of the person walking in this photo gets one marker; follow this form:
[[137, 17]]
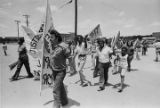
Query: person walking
[[4, 48], [61, 52], [23, 59], [144, 47], [138, 46], [156, 45], [72, 61], [130, 54], [103, 53], [122, 66], [95, 58], [81, 52]]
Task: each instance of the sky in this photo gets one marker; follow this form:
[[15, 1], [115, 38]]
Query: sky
[[130, 17]]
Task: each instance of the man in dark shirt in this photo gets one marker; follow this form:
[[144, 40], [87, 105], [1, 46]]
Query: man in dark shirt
[[4, 48], [23, 59], [58, 65]]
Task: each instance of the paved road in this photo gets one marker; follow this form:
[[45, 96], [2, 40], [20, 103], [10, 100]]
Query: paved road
[[142, 87]]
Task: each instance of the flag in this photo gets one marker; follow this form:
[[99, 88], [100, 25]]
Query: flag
[[28, 31], [112, 41], [96, 32], [69, 2], [34, 53], [46, 75], [33, 42], [116, 39]]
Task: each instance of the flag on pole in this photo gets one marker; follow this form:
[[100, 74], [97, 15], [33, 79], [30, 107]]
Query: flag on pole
[[28, 31], [112, 41], [34, 54], [34, 42], [69, 2], [116, 39], [96, 32], [46, 75]]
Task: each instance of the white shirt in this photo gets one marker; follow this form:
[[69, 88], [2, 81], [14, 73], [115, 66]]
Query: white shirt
[[104, 54], [81, 49], [157, 46], [123, 61]]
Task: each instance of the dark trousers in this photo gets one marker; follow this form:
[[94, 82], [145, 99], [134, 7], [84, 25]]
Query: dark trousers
[[22, 61], [72, 65], [5, 52], [59, 92], [144, 50], [95, 73], [129, 60], [103, 69]]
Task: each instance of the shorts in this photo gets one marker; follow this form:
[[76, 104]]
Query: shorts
[[122, 70]]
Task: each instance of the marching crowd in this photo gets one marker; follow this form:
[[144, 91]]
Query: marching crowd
[[103, 53]]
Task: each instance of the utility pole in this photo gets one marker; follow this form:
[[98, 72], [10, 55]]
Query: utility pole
[[27, 21], [17, 22], [76, 17]]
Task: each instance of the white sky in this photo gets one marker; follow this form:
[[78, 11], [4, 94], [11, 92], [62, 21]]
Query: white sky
[[131, 17]]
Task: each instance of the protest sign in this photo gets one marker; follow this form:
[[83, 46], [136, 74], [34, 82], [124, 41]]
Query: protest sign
[[47, 75], [34, 52]]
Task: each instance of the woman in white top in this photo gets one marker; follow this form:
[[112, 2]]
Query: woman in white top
[[81, 52]]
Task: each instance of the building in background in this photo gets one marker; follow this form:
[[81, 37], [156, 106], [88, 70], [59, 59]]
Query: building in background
[[156, 35], [13, 39]]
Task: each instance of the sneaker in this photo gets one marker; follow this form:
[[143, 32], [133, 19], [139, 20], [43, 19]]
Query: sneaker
[[101, 88], [13, 79], [84, 84], [30, 76], [120, 90]]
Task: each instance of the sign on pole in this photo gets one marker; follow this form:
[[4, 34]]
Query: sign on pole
[[46, 75]]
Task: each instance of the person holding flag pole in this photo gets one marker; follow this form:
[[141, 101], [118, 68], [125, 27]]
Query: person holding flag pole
[[54, 56], [58, 65]]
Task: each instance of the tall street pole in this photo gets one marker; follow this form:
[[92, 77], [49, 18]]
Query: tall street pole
[[76, 17], [17, 21], [27, 21]]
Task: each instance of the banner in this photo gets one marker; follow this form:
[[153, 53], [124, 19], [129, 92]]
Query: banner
[[112, 42], [116, 39], [46, 75], [34, 52], [35, 42], [96, 32], [28, 31]]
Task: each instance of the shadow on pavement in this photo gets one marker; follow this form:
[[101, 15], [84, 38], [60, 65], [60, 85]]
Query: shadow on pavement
[[118, 85], [134, 69], [70, 104], [108, 84], [19, 78]]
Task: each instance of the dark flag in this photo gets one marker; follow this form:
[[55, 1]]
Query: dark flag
[[69, 2]]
